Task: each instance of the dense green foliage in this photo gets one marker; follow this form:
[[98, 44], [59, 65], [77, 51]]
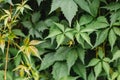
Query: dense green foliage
[[59, 40]]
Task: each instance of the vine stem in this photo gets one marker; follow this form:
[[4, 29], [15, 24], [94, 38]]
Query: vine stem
[[6, 61]]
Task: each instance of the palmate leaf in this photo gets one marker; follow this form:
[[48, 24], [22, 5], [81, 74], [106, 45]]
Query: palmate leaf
[[60, 70], [68, 7]]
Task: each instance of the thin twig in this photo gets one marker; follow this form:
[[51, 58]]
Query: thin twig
[[6, 61]]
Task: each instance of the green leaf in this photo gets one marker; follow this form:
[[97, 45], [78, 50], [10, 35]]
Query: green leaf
[[60, 26], [68, 78], [114, 75], [35, 16], [81, 53], [86, 37], [53, 32], [101, 37], [69, 33], [68, 7], [91, 76], [98, 69], [47, 61], [83, 5], [106, 67], [80, 69], [17, 60], [18, 32], [60, 38], [85, 19], [79, 39], [112, 38], [118, 78], [27, 24], [114, 17], [9, 1], [100, 53], [61, 53], [71, 60], [116, 30], [93, 62], [100, 23], [60, 70], [112, 6], [116, 55], [39, 1], [94, 7]]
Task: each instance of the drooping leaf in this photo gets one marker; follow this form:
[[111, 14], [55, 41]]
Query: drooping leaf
[[98, 69], [93, 62], [80, 69], [112, 38], [106, 67], [48, 60], [67, 6], [101, 37], [60, 70], [81, 54], [71, 60], [60, 38]]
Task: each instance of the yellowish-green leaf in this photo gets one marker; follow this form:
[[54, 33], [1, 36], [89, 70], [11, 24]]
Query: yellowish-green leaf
[[35, 42]]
